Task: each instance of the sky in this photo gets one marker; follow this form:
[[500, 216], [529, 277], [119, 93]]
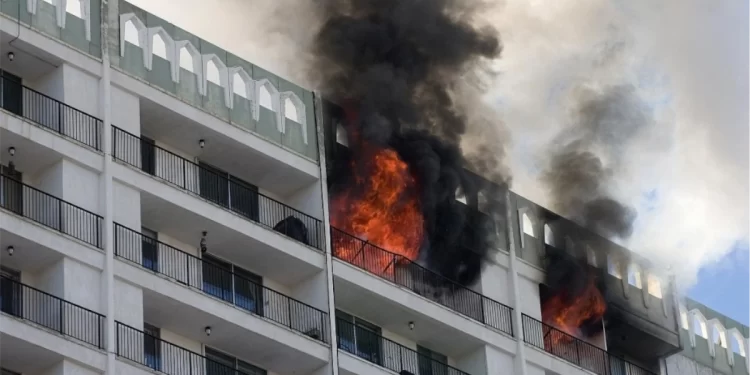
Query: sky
[[687, 173]]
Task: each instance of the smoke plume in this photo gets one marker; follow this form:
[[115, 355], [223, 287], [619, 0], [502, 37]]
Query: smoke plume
[[399, 66]]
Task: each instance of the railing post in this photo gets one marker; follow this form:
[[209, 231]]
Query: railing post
[[184, 174], [60, 118], [62, 330], [99, 332], [578, 351], [60, 215], [187, 266]]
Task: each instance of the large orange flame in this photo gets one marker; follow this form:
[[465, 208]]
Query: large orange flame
[[569, 314], [381, 207]]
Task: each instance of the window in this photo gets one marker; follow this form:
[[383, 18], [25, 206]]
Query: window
[[148, 155], [264, 98], [431, 363], [158, 47], [150, 249], [526, 225], [186, 60], [220, 363], [699, 326], [74, 7], [290, 110], [359, 337], [131, 34], [11, 189], [10, 291], [228, 191], [634, 276], [212, 73], [152, 346], [654, 286], [613, 267], [233, 284], [239, 86]]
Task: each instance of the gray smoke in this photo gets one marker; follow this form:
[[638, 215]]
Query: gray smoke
[[585, 159]]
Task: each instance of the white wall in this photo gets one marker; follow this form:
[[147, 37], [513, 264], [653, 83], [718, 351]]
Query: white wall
[[50, 84], [308, 200], [126, 111], [127, 205], [51, 279], [129, 300], [474, 363], [312, 291], [81, 186], [498, 362], [82, 285], [67, 367], [529, 291], [81, 90], [50, 179]]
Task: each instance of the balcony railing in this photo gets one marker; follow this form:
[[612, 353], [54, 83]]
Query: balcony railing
[[165, 357], [50, 113], [575, 350], [44, 309], [222, 189], [50, 211], [221, 283], [372, 347], [406, 273]]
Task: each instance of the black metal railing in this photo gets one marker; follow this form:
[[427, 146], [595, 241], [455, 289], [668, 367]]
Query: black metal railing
[[163, 356], [221, 283], [44, 309], [370, 346], [219, 188], [575, 350], [50, 211], [50, 113], [404, 272]]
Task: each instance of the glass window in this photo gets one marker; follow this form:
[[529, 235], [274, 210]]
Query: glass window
[[233, 284], [359, 337], [431, 363], [152, 346], [150, 249]]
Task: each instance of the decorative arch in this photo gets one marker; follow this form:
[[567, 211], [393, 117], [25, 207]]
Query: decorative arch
[[549, 235], [653, 285], [341, 135], [684, 320], [129, 22], [293, 108], [527, 224], [241, 84], [188, 58], [635, 275], [614, 267], [591, 256], [698, 326], [736, 342], [265, 91], [460, 196], [717, 335], [169, 50], [214, 60]]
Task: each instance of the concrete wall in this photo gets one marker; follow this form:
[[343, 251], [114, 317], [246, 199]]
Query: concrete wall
[[68, 367]]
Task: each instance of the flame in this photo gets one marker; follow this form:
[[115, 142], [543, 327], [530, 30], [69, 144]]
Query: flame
[[568, 313], [380, 207]]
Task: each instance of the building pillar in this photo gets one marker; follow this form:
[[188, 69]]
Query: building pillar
[[520, 358]]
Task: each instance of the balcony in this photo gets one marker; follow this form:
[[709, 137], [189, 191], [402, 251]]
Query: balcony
[[576, 351], [49, 113], [48, 311], [368, 345], [165, 357], [225, 191], [408, 274], [217, 282], [50, 211]]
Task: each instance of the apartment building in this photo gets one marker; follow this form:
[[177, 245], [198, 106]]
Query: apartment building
[[163, 209]]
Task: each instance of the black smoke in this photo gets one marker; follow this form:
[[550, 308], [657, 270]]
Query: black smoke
[[587, 159], [397, 65]]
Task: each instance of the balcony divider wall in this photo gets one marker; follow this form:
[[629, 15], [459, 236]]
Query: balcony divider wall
[[44, 309], [218, 282], [49, 113], [50, 211], [165, 357], [406, 273], [372, 347], [575, 350], [223, 189]]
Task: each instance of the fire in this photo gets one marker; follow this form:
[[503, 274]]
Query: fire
[[380, 207], [569, 313]]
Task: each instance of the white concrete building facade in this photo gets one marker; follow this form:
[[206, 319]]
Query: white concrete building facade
[[163, 209]]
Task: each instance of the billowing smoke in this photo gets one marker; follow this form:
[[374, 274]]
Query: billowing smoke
[[398, 66]]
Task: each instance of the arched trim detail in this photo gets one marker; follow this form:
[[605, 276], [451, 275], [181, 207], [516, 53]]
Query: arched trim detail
[[196, 60], [143, 41], [299, 109], [169, 46], [222, 75], [247, 82], [264, 83]]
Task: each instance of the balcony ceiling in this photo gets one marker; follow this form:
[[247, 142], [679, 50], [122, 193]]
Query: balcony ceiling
[[30, 157], [167, 126], [27, 255], [30, 62], [24, 357]]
